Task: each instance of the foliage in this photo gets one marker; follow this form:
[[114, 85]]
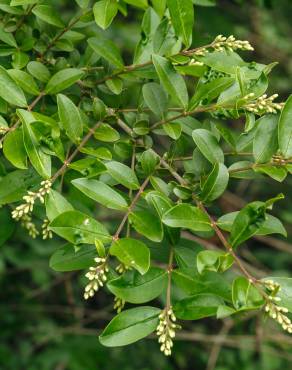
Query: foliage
[[125, 156]]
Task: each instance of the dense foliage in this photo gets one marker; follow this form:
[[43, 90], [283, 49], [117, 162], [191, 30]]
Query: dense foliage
[[127, 157]]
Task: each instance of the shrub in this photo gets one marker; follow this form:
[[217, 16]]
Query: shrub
[[151, 141]]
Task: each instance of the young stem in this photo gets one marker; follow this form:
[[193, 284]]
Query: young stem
[[169, 271], [29, 108], [130, 208], [76, 151]]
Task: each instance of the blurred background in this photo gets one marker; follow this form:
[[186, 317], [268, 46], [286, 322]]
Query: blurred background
[[44, 322]]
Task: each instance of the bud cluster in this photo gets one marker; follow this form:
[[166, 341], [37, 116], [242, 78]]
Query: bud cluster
[[26, 223], [263, 104], [222, 43], [194, 62], [97, 276], [46, 232], [30, 199], [3, 130], [272, 308], [166, 330], [230, 43], [121, 268], [278, 313], [119, 304]]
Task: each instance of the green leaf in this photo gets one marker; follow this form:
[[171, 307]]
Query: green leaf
[[48, 14], [106, 133], [188, 217], [39, 71], [173, 83], [271, 225], [147, 224], [224, 311], [276, 173], [135, 288], [285, 129], [159, 201], [104, 12], [79, 228], [25, 81], [14, 150], [141, 127], [213, 261], [15, 184], [10, 91], [245, 295], [106, 49], [130, 326], [63, 79], [138, 3], [159, 7], [247, 223], [155, 98], [132, 253], [172, 129], [210, 90], [192, 283], [215, 184], [224, 61], [149, 161], [208, 145], [7, 38], [123, 174], [285, 293], [19, 59], [70, 117], [198, 306], [101, 193], [40, 160], [182, 18], [56, 204], [265, 141], [72, 258], [115, 85], [22, 2]]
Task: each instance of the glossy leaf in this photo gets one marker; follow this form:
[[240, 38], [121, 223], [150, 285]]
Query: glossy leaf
[[101, 193], [182, 17], [147, 224], [155, 98], [247, 223], [130, 326], [172, 82], [63, 79], [107, 49], [79, 228], [72, 258], [136, 288], [132, 253], [265, 141], [208, 145], [198, 306], [215, 184], [48, 14], [14, 149], [10, 91], [123, 174], [104, 12], [70, 117], [285, 129], [188, 217]]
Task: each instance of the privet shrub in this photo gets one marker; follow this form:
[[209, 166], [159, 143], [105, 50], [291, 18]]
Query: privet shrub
[[149, 140]]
